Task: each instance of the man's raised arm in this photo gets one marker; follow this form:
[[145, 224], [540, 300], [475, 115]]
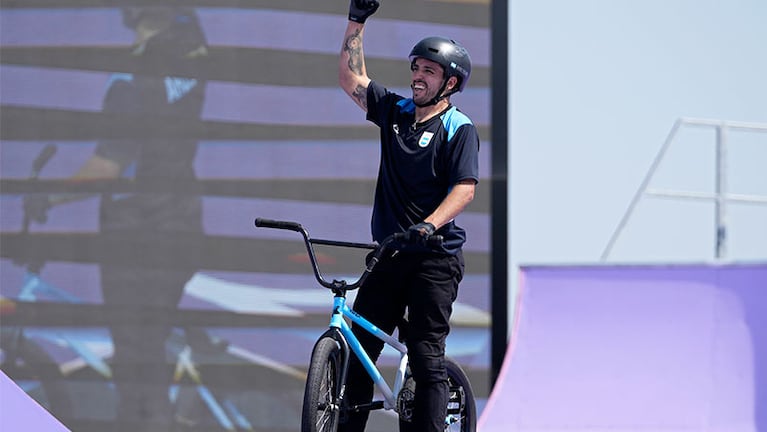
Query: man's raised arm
[[352, 75]]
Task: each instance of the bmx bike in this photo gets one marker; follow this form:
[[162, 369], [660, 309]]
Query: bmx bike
[[323, 403]]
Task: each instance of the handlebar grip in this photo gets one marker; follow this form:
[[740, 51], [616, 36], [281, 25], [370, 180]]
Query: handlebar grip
[[433, 240], [286, 225], [400, 237]]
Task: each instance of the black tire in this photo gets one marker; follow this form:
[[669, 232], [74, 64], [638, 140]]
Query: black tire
[[461, 407], [321, 409]]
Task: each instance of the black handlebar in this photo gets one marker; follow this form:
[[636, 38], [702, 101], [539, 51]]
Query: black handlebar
[[394, 241], [269, 223]]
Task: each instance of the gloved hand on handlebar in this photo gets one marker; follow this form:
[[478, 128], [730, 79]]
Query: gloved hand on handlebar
[[420, 233], [36, 207], [360, 10]]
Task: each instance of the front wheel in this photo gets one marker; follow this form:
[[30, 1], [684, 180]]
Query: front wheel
[[321, 409]]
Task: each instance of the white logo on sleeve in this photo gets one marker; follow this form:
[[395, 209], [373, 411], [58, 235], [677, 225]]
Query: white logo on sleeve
[[425, 139]]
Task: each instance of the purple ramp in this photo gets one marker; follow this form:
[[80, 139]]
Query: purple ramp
[[635, 348]]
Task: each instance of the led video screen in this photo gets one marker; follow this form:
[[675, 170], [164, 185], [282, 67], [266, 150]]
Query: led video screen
[[160, 153]]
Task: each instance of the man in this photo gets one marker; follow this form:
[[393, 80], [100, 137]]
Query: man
[[427, 175], [154, 224]]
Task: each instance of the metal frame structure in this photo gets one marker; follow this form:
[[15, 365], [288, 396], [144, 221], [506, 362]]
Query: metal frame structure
[[720, 196]]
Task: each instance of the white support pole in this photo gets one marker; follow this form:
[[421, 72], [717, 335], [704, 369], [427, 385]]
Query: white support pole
[[721, 190]]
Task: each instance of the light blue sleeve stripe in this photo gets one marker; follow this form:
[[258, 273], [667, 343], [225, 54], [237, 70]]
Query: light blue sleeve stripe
[[452, 120], [406, 105]]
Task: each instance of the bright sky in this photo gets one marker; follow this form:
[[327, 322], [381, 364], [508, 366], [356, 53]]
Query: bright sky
[[596, 86]]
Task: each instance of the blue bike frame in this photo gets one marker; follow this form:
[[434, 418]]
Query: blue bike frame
[[337, 321]]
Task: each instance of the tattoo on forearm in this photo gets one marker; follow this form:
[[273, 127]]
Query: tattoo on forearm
[[361, 95], [353, 47]]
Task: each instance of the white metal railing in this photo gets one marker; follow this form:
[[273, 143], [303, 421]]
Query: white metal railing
[[720, 197]]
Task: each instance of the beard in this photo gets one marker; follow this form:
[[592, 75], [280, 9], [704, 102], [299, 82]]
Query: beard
[[424, 96]]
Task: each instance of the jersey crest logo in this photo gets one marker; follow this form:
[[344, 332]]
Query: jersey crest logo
[[176, 88], [425, 139]]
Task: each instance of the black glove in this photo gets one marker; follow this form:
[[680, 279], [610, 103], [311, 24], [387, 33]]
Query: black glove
[[36, 207], [420, 232], [360, 10]]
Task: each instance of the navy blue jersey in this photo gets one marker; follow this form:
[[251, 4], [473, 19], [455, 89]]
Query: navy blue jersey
[[146, 101], [153, 161], [420, 163]]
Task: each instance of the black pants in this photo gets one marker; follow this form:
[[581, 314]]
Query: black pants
[[427, 285], [155, 243], [145, 272], [141, 369]]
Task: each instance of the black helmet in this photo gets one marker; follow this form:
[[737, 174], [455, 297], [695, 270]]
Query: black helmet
[[448, 53], [182, 33]]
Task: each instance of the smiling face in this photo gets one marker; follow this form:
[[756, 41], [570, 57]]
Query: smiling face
[[427, 78]]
